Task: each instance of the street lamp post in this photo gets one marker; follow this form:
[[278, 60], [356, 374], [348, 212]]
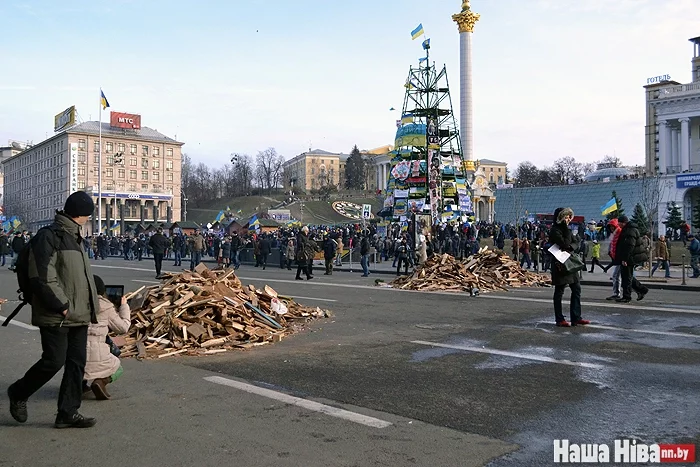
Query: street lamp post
[[184, 210]]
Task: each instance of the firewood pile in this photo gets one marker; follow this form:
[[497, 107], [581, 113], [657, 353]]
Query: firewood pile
[[485, 271], [206, 312]]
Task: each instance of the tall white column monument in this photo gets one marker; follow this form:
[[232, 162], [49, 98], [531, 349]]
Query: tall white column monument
[[466, 20]]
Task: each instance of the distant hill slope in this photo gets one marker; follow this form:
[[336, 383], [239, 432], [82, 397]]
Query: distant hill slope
[[248, 205]]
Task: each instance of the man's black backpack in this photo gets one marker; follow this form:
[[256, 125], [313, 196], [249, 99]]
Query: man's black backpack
[[22, 271]]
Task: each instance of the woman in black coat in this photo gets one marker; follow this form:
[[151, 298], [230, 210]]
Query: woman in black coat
[[561, 235]]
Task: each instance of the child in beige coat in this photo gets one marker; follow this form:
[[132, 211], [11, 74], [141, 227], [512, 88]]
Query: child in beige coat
[[102, 367]]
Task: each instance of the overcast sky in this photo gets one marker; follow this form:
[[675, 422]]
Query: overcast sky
[[552, 78]]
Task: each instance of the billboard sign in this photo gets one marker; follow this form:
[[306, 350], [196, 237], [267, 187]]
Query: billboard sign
[[688, 180], [280, 215], [64, 119], [124, 120], [73, 167]]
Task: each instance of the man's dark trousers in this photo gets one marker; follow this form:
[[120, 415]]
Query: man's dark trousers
[[60, 346], [629, 282], [158, 258]]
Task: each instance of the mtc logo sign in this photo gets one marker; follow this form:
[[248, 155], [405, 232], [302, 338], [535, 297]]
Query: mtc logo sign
[[124, 120]]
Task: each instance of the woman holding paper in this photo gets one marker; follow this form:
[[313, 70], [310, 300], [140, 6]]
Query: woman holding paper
[[562, 241]]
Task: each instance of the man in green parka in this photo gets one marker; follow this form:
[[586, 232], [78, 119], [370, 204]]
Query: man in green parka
[[64, 302]]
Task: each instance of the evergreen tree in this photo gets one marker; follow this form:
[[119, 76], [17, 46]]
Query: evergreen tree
[[355, 170], [674, 220], [620, 210], [696, 216], [639, 217]]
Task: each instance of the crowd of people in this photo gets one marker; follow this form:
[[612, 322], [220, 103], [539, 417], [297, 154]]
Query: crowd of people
[[74, 313]]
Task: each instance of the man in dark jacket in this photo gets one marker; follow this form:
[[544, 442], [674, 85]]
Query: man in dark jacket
[[329, 248], [64, 302], [177, 249], [629, 252], [264, 250], [364, 253], [561, 236], [17, 245], [4, 246], [235, 248], [159, 243]]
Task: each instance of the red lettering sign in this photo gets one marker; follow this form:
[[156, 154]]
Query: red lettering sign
[[124, 120]]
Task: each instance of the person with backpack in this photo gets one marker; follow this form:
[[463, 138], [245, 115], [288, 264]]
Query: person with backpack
[[55, 278]]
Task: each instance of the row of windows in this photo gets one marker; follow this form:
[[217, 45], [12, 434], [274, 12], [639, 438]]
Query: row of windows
[[121, 147]]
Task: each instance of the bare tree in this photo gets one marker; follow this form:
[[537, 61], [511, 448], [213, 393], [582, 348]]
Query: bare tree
[[611, 161], [567, 170], [268, 169], [654, 190]]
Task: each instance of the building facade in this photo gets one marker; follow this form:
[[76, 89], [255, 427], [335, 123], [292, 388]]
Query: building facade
[[140, 180], [13, 148], [315, 169], [672, 138], [494, 171]]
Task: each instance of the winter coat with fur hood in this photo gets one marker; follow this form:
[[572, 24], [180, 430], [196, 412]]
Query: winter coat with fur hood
[[561, 235]]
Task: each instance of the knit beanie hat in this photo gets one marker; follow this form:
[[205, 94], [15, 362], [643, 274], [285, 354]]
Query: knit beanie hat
[[79, 204], [99, 285]]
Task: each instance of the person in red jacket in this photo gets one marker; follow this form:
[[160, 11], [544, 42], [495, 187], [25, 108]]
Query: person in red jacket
[[614, 229]]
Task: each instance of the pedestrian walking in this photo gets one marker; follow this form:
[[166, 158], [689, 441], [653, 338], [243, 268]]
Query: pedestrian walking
[[64, 302], [329, 249], [694, 249], [364, 255], [614, 230], [289, 254], [402, 252], [4, 246], [595, 256], [662, 257], [197, 246], [561, 235], [159, 243], [630, 253], [17, 245], [264, 250]]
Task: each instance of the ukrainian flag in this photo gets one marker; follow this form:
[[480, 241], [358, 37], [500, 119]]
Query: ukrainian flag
[[103, 100], [610, 206], [416, 33], [407, 118], [253, 221], [219, 217]]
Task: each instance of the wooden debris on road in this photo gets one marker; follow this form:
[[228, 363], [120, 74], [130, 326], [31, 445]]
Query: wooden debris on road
[[485, 271], [206, 312]]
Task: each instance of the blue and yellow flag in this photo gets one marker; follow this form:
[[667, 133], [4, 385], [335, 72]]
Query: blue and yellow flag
[[416, 33], [103, 100], [426, 44], [219, 217], [610, 206], [407, 118], [254, 221]]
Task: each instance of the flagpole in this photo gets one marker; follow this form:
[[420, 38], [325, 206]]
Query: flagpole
[[99, 176]]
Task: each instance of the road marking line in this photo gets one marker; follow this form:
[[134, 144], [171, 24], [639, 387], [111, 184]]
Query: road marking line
[[145, 282], [595, 304], [307, 404], [450, 294], [20, 324], [643, 331], [506, 353], [311, 298]]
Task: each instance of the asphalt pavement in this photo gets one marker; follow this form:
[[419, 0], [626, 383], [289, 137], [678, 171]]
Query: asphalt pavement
[[393, 378]]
